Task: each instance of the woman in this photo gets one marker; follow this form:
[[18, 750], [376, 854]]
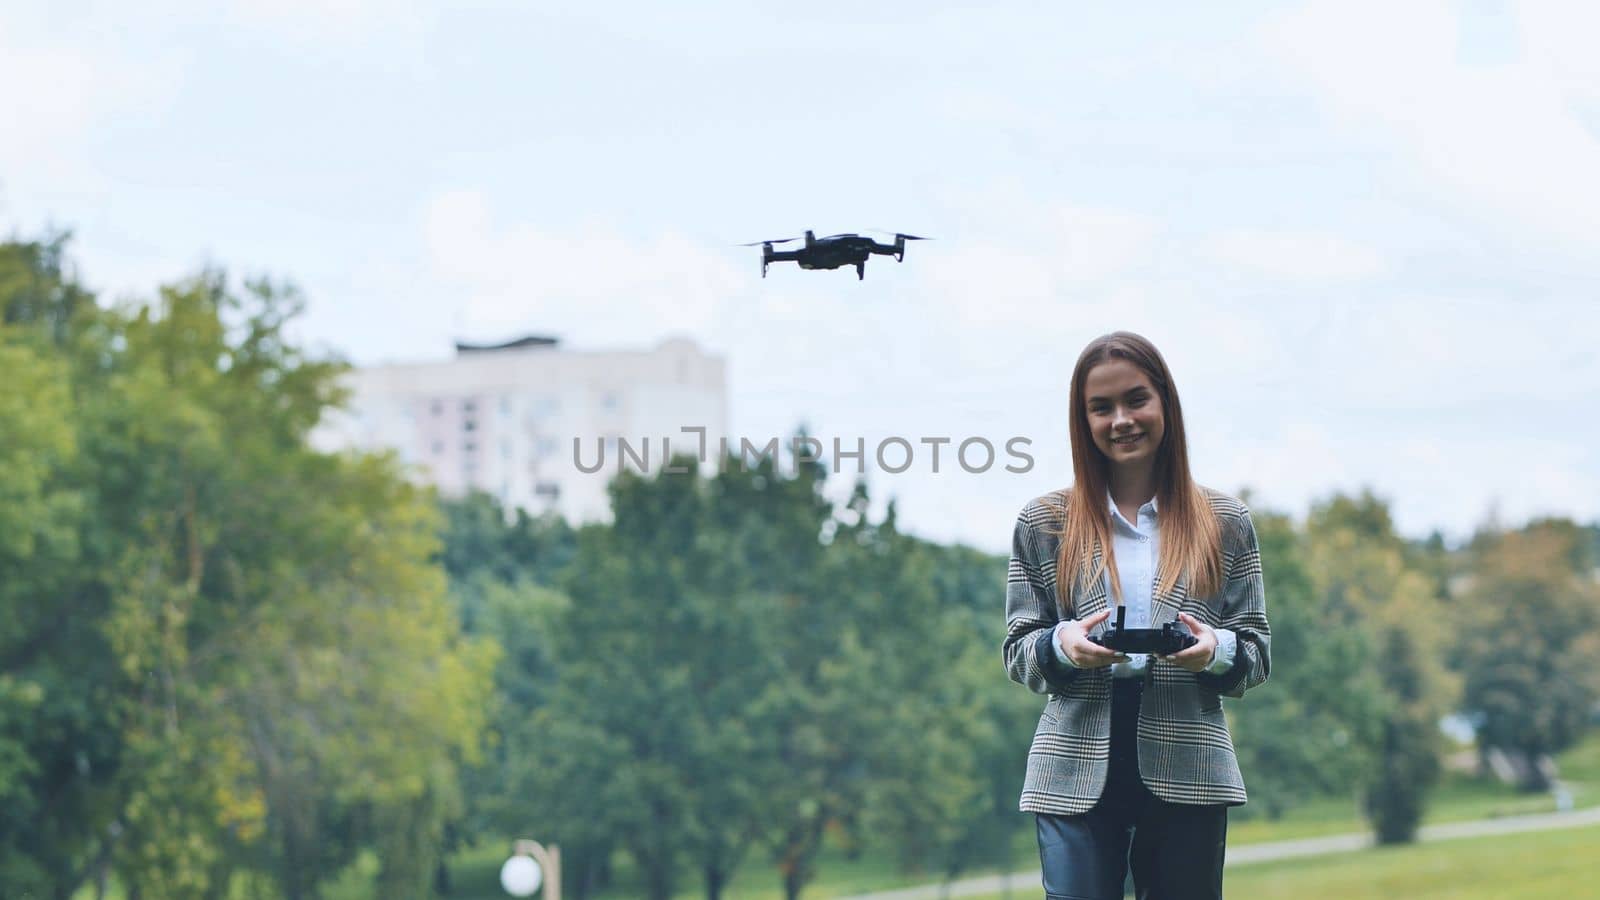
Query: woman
[[1132, 749]]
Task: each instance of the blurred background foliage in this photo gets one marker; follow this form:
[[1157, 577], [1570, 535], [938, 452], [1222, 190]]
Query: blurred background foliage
[[238, 667]]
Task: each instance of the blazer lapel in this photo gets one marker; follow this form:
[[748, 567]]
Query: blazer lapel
[[1165, 605], [1094, 599]]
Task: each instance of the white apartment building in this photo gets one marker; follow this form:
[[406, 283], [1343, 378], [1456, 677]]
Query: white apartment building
[[503, 418]]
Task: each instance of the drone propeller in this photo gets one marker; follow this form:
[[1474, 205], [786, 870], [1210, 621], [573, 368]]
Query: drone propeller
[[909, 237], [759, 243]]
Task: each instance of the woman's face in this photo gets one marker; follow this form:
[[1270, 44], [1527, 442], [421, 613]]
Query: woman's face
[[1125, 416]]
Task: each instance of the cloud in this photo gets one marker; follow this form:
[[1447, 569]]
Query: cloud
[[1039, 259], [1295, 256], [1431, 479], [55, 90], [1559, 37], [49, 94], [62, 90], [1505, 140], [1407, 353], [588, 281], [1287, 463], [338, 21]]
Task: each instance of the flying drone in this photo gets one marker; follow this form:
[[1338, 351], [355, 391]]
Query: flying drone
[[833, 251]]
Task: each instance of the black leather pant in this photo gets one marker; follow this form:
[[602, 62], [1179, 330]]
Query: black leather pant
[[1176, 849]]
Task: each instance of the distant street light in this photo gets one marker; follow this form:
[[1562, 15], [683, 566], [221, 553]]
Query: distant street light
[[524, 872]]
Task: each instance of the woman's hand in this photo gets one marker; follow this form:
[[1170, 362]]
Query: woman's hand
[[1197, 657], [1084, 653]]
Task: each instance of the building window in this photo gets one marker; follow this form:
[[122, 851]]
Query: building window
[[469, 447], [547, 490], [438, 407], [540, 405], [469, 425], [469, 406]]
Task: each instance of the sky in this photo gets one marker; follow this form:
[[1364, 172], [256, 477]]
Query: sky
[[1366, 237]]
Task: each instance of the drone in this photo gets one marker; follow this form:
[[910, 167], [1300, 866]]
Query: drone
[[833, 251]]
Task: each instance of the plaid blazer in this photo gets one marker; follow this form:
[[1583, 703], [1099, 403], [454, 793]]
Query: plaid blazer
[[1185, 752]]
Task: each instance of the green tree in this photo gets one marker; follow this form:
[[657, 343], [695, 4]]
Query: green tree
[[836, 639], [59, 721], [1531, 617], [277, 609], [1316, 733], [1362, 578], [38, 290], [226, 652], [542, 773], [484, 541], [661, 657], [502, 568], [933, 735]]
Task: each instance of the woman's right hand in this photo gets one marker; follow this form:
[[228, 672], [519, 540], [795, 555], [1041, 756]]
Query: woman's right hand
[[1084, 653]]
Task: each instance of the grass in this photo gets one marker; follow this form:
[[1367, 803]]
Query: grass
[[476, 875], [477, 879], [1458, 798], [1581, 764], [1508, 867], [475, 871]]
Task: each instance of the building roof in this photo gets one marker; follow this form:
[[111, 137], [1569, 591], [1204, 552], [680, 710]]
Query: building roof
[[532, 340]]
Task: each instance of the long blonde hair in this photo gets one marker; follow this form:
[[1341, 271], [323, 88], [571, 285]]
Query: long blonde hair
[[1191, 537]]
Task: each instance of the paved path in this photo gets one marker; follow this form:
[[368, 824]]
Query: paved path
[[1025, 882]]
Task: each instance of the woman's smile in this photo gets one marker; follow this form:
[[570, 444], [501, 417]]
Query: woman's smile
[[1124, 413]]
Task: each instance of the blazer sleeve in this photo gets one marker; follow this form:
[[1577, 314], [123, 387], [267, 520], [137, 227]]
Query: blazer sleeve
[[1031, 614], [1244, 610]]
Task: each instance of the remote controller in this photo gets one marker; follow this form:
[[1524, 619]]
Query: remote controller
[[1166, 640]]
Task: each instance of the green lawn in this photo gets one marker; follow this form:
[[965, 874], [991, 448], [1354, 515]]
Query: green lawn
[[1530, 866], [1581, 764], [476, 871], [1458, 798], [476, 876]]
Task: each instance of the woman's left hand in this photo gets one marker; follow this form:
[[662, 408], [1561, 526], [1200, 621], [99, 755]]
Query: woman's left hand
[[1197, 657]]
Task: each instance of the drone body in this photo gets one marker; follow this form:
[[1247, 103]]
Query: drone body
[[833, 251]]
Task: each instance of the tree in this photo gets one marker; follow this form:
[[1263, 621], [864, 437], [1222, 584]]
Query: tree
[[502, 568], [543, 773], [277, 608], [1316, 731], [208, 621], [653, 718], [1531, 618], [38, 290], [58, 716], [483, 541], [1362, 579]]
